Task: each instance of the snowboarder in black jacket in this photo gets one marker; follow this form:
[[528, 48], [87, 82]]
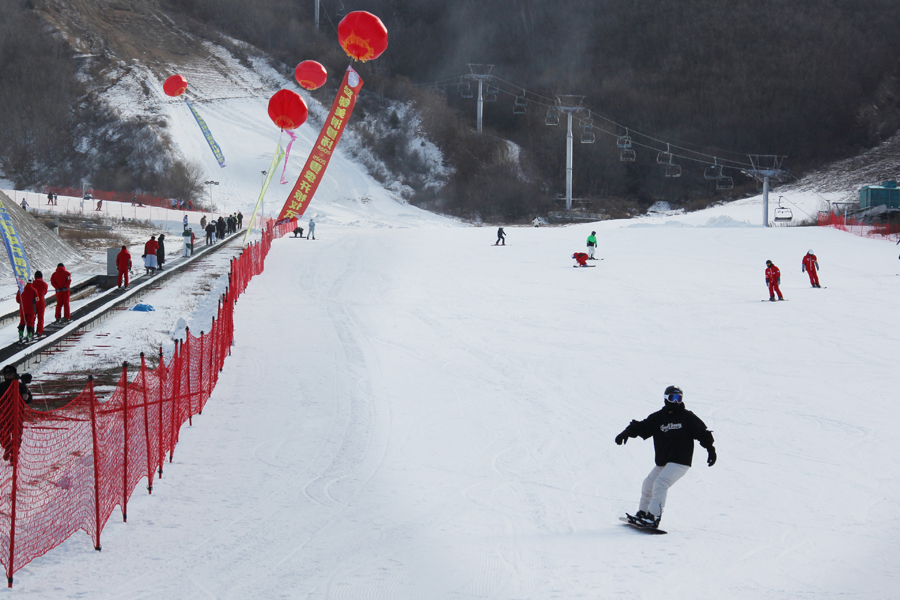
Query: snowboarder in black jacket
[[673, 429]]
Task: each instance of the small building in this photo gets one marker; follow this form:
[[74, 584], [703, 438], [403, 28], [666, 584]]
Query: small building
[[887, 194]]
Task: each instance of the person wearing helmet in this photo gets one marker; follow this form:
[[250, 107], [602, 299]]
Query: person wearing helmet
[[591, 244], [810, 266], [773, 280], [673, 429], [582, 259]]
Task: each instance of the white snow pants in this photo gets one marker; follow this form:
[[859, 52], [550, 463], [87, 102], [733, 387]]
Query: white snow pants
[[656, 486], [590, 252]]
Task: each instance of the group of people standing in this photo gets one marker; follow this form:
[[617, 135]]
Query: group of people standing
[[217, 229], [32, 302]]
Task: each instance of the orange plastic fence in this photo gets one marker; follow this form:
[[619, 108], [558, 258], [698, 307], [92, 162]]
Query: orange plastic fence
[[860, 228], [66, 470], [144, 199]]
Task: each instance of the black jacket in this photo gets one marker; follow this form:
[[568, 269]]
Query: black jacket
[[161, 250], [673, 431], [23, 389]]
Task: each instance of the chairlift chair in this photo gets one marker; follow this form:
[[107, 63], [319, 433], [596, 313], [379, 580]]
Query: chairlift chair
[[465, 90], [627, 155], [624, 141], [491, 94], [587, 135], [724, 183], [552, 117], [520, 105], [673, 170], [713, 171], [664, 158], [782, 213]]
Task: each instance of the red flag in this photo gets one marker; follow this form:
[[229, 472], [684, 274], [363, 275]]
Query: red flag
[[315, 166]]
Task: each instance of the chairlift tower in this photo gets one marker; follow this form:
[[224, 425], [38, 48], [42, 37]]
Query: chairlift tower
[[480, 73], [765, 168], [569, 105]]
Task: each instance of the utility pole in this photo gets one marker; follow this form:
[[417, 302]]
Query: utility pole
[[210, 184], [262, 205], [569, 105], [480, 73], [765, 168], [317, 14]]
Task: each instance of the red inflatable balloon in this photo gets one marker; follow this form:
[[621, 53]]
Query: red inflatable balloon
[[287, 109], [362, 35], [175, 85], [310, 75]]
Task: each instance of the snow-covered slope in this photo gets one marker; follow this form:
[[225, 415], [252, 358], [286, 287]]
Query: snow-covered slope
[[413, 413]]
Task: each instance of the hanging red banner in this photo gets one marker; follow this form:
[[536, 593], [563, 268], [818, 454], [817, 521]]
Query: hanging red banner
[[315, 166]]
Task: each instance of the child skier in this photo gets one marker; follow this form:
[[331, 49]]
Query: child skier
[[673, 429], [501, 238], [582, 259], [773, 280], [810, 266]]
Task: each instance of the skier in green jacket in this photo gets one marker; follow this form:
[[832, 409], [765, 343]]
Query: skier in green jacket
[[591, 244]]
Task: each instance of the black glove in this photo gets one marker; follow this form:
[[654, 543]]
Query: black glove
[[622, 438], [711, 459]]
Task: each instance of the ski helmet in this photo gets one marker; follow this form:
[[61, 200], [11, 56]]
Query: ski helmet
[[810, 252], [673, 394], [768, 263], [593, 233]]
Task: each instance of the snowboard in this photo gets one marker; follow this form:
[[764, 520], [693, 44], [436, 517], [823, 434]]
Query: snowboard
[[782, 300], [499, 244], [582, 266], [648, 530]]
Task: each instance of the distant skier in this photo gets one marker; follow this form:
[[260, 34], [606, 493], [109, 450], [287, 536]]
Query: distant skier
[[203, 222], [501, 238], [61, 280], [99, 204], [123, 266], [240, 220], [591, 244], [312, 230], [536, 221], [10, 433], [149, 255], [773, 280], [184, 221], [187, 235], [40, 286], [161, 251], [298, 231], [582, 258], [673, 429], [25, 204], [810, 266], [210, 234], [27, 300]]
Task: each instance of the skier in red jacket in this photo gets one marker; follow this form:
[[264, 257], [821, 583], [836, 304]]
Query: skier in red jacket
[[123, 266], [40, 286], [773, 280], [810, 266], [149, 254], [27, 300], [582, 258], [61, 280]]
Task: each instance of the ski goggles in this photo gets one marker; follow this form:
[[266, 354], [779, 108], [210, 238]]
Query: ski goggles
[[673, 397]]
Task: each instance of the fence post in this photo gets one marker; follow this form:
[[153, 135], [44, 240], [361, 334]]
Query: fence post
[[190, 399], [161, 371], [147, 426], [125, 449], [16, 423], [202, 396], [174, 405], [96, 460]]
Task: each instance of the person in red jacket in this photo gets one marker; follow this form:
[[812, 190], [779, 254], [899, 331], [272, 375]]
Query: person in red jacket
[[149, 255], [27, 300], [773, 280], [40, 287], [61, 280], [582, 258], [123, 266], [810, 266]]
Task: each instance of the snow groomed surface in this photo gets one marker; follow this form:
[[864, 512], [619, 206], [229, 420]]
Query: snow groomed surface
[[415, 415]]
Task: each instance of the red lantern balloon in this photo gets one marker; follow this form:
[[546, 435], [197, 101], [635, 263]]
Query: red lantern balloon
[[310, 75], [362, 35], [287, 109], [175, 85]]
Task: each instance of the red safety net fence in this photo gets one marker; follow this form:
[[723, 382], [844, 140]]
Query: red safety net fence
[[66, 470], [849, 224], [143, 199]]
